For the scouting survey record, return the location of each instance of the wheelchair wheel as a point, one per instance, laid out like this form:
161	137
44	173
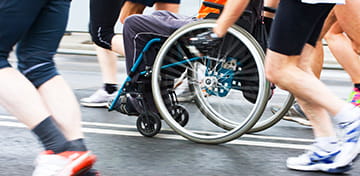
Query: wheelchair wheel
148	124
180	114
280	99
228	83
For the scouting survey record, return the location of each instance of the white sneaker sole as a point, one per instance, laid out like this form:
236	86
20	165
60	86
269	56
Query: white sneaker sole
328	168
298	120
95	105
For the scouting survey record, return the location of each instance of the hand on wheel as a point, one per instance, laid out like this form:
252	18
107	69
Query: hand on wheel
205	42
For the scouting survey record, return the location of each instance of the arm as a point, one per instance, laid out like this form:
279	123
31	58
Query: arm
232	11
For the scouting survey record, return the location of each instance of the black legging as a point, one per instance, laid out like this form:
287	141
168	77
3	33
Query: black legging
103	17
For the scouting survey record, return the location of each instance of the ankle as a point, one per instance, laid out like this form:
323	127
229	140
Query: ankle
347	114
329	143
110	88
76	145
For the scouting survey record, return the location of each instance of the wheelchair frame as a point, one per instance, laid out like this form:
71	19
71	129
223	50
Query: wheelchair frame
234	130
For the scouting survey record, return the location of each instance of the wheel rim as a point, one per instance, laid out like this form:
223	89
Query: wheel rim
237	128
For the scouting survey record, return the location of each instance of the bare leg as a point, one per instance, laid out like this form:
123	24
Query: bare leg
317	56
171	7
130	8
118	45
20	98
311	62
283	71
349	19
61	102
107	60
340	46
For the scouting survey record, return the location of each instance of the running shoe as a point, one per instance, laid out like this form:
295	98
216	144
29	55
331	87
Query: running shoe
126	106
354	97
316	159
68	163
351	143
99	99
294	114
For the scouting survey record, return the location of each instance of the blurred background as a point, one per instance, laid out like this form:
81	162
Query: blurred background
79	14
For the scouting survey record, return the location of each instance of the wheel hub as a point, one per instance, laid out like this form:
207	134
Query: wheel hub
210	82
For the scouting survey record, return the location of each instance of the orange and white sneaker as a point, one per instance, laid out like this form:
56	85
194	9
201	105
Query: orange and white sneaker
68	163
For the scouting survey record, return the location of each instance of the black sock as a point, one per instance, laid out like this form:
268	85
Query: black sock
357	85
110	88
268	21
76	145
50	135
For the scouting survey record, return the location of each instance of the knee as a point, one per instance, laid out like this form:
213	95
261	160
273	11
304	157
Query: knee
272	71
101	36
276	77
271	75
330	37
132	22
37	68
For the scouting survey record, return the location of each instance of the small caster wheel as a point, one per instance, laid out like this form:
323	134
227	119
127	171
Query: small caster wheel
180	114
148	124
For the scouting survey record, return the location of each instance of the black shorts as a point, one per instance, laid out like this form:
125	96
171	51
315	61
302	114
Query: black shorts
104	15
150	3
296	24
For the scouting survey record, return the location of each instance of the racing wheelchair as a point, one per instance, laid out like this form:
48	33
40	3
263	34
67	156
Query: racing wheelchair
228	82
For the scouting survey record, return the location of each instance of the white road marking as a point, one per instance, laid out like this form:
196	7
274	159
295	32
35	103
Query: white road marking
98	124
172	136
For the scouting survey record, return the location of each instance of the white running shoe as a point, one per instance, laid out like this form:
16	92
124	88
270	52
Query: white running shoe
67	163
316	159
351	142
99	99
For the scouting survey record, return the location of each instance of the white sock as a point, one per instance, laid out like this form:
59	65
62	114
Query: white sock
327	143
348	113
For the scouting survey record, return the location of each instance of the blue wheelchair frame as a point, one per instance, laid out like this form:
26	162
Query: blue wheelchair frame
136	65
222	91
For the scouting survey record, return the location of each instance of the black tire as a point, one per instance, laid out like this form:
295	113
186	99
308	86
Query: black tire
180	114
148	124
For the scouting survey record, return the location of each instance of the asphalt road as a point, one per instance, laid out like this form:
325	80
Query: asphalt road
121	150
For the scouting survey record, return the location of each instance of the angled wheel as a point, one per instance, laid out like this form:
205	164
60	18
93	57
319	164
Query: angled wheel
180	114
228	83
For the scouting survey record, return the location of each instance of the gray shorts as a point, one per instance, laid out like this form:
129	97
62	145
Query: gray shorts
139	29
